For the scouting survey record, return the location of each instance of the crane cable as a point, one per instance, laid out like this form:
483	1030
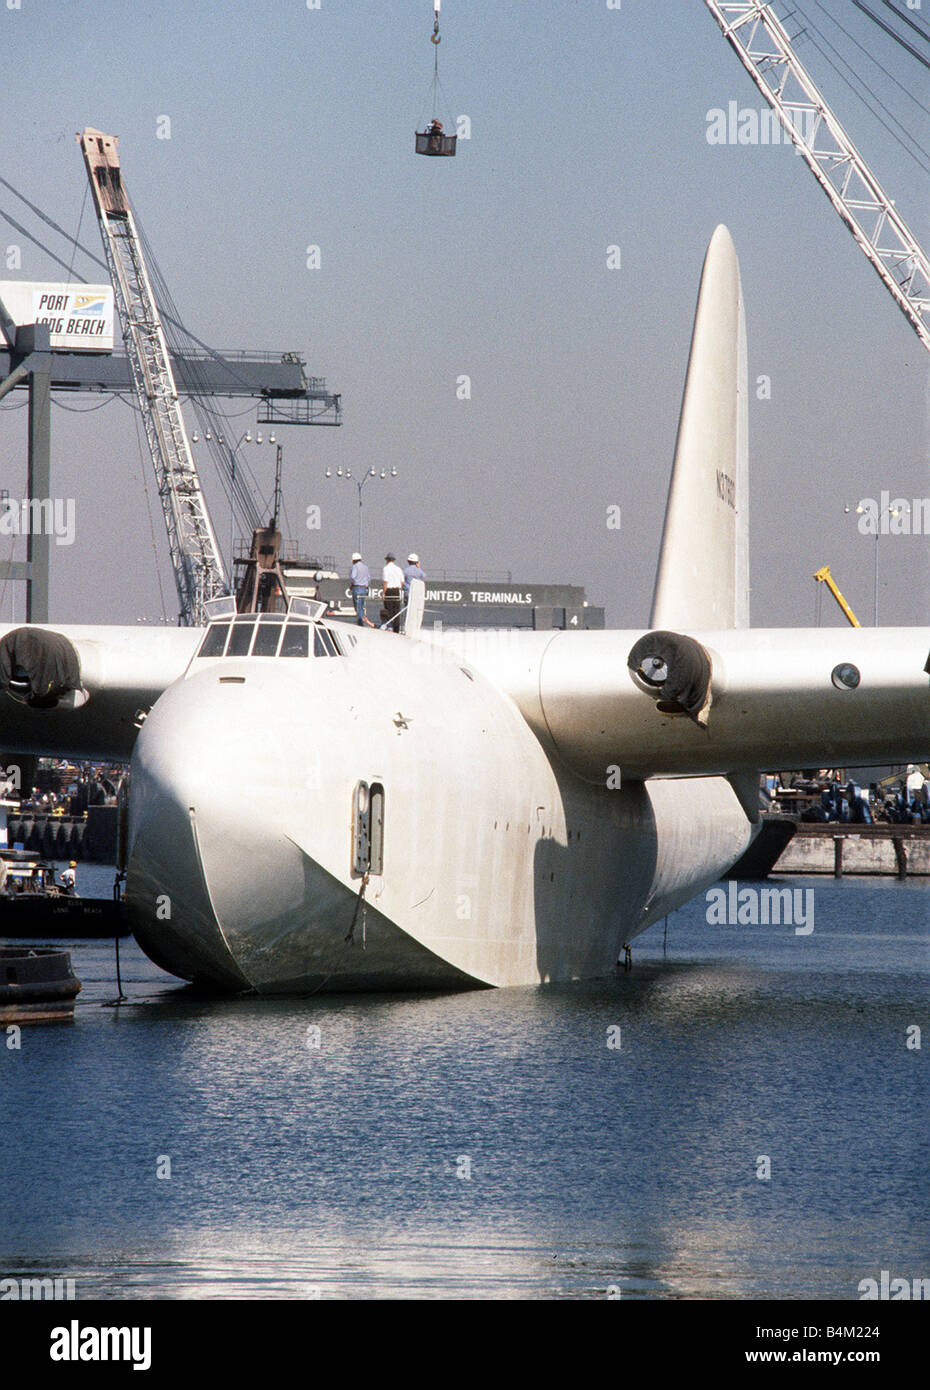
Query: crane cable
918	29
148	508
436	40
888	30
900	85
437	93
857	85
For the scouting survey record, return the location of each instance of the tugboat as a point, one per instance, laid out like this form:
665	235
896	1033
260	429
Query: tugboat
37	985
33	905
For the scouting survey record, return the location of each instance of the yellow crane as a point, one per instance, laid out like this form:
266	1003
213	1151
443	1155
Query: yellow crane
825	577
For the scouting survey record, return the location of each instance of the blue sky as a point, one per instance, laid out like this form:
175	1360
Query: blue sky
293	127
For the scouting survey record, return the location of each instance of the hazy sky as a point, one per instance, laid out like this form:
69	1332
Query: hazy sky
292	127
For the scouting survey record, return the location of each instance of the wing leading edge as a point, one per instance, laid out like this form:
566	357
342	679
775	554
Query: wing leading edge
776	698
86	702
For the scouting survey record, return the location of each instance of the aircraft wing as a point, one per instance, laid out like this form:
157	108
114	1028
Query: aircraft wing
78	692
740	700
645	704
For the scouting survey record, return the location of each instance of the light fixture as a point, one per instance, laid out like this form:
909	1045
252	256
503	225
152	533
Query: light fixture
195	438
208	436
258	439
271	438
248	436
393	472
328	473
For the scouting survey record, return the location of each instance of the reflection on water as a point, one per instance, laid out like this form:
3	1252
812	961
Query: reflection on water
491	1143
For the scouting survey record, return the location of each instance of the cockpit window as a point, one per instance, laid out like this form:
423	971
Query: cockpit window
296	640
215	640
241	637
268	634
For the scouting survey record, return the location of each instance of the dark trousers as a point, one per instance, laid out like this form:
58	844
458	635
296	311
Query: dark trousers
392	607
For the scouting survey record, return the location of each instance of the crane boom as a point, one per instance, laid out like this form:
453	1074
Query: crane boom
765	50
825	577
195	555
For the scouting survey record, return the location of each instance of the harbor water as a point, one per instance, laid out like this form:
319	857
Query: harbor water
741	1116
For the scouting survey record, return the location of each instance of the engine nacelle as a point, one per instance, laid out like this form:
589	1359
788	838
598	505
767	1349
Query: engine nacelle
41	669
676	671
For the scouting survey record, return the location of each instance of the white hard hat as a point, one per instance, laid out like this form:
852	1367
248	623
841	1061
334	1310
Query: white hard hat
413	559
356	556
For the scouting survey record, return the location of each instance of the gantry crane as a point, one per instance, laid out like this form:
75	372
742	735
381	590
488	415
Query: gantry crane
765	49
195	555
825	577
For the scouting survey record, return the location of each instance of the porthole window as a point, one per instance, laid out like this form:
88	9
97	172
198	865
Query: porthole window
845	676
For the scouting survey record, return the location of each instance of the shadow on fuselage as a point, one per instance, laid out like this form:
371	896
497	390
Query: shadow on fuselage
590	892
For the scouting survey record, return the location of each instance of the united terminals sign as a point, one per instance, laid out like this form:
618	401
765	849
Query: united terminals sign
79	317
466	603
457	593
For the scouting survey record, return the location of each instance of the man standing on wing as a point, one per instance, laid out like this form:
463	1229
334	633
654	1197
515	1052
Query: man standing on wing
361	579
393	577
412	571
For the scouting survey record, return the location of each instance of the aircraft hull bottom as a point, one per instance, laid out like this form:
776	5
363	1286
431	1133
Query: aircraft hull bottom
328	940
299	930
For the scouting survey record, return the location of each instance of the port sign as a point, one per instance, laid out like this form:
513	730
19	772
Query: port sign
80	317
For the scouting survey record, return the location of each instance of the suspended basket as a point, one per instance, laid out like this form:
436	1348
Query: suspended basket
433	141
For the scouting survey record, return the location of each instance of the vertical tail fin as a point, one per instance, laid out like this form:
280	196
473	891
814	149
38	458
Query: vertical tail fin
703	575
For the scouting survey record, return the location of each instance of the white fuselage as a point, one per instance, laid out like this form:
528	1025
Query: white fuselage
500	866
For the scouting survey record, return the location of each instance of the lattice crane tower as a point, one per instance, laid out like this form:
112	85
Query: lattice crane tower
195	555
765	50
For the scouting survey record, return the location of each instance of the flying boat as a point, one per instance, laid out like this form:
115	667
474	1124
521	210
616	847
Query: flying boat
451	809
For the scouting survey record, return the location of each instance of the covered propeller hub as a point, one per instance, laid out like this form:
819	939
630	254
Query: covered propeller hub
39	668
676	671
654	670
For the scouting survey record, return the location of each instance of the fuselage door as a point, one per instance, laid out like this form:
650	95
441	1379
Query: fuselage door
368	829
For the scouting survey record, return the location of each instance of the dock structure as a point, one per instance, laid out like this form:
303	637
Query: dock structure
899	850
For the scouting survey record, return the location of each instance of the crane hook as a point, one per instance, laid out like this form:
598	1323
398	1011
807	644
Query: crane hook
436	37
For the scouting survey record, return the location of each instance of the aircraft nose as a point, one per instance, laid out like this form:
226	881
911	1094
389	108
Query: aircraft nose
216	880
170	907
189	771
